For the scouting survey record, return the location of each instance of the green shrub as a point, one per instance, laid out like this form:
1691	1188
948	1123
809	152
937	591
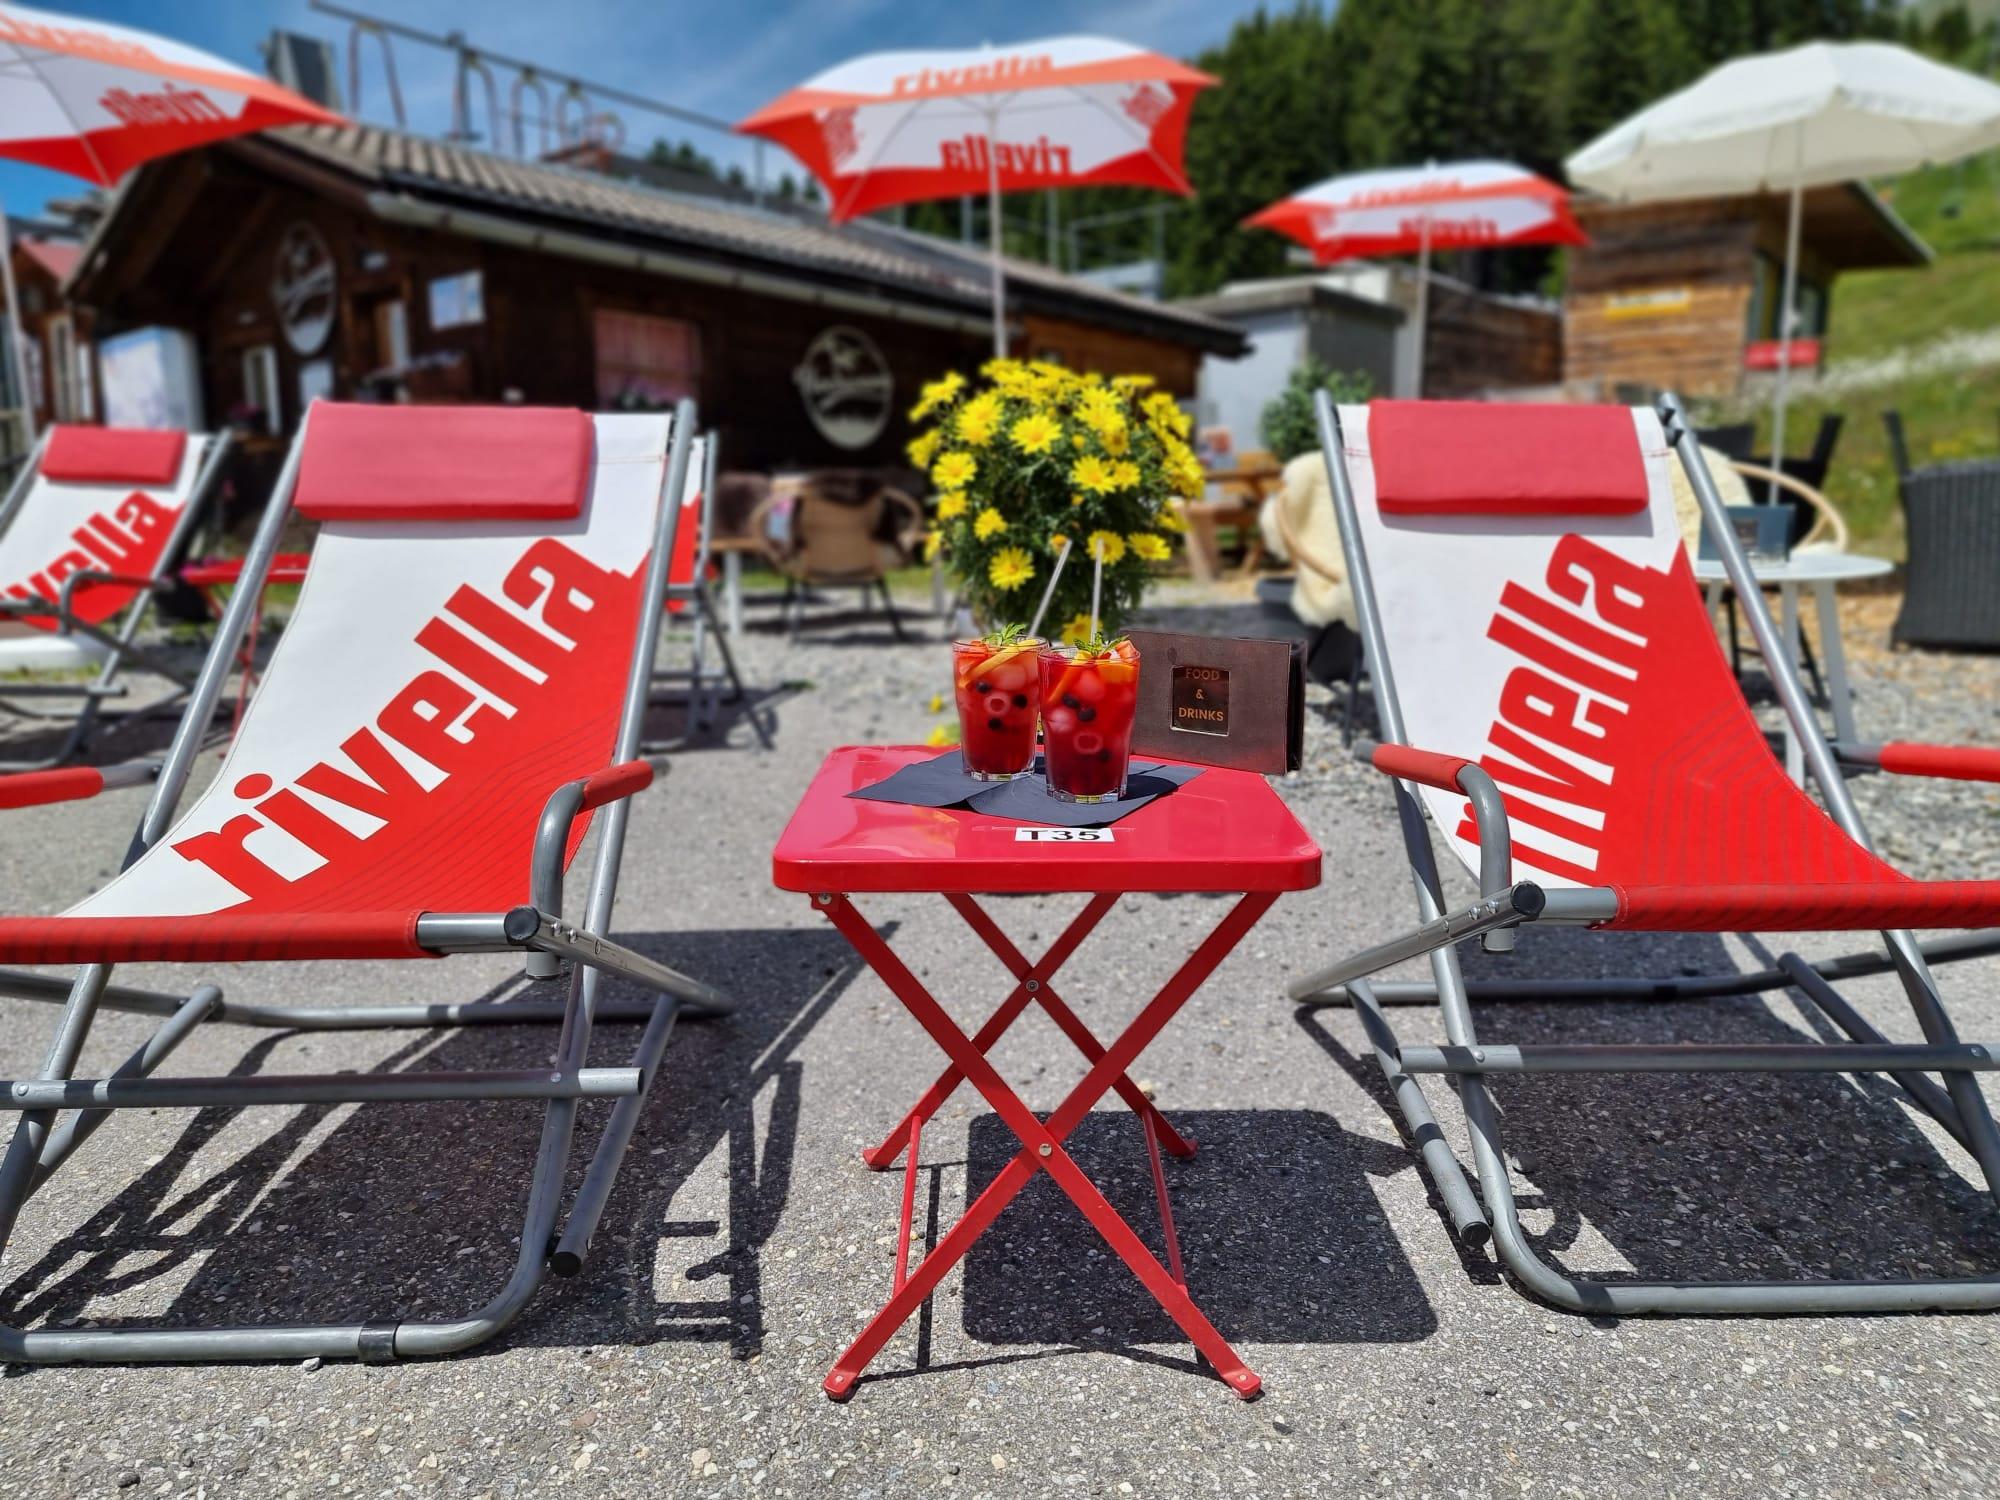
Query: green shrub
1287	424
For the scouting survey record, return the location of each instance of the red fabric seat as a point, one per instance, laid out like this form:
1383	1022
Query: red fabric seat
1807	908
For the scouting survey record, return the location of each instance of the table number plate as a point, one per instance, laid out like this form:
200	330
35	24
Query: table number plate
1064	836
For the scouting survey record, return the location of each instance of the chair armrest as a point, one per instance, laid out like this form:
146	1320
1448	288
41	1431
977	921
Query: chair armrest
566	804
286	567
1454	773
915	522
1826	517
71	783
88	576
1907	758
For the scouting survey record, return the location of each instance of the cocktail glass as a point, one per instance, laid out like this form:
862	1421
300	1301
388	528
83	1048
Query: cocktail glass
1088	703
999	697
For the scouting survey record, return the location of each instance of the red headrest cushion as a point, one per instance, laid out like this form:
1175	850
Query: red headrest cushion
444	463
114	455
1476	458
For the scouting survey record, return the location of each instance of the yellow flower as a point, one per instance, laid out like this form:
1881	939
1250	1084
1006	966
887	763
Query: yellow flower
1117	439
937	703
1131	383
1035	433
1171	519
1057	541
955	471
1152	548
933	539
1075	500
936	394
989	523
942	735
1101	409
1011	567
1125	475
1077	631
1108	545
1094	474
978	420
950	507
924	447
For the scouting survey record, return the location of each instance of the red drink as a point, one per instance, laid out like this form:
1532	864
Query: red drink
1088	702
999	697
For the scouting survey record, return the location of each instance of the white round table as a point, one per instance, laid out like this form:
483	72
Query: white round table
1822	572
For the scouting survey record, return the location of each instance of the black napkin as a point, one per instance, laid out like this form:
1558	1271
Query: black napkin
942	782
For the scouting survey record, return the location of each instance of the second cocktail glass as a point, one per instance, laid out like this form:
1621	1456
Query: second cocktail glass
1089	699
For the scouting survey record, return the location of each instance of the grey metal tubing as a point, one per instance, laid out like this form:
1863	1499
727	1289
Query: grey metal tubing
329	1017
24	479
1918	985
527	927
1496	843
316	1088
214	674
545	885
1679	987
78	1128
1468	1219
602	1173
1519	903
31	1131
1695	1057
1926	1095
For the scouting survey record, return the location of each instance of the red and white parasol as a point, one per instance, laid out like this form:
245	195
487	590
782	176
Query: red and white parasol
905	127
96	100
1467	205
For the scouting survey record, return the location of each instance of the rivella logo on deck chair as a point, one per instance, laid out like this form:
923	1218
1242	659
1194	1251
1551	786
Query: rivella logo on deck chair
126	540
447	737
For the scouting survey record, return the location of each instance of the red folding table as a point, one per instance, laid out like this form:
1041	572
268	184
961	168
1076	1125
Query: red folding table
1225	831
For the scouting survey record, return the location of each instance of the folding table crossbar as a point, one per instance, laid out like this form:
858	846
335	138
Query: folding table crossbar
1554	694
483	600
91	531
1224	832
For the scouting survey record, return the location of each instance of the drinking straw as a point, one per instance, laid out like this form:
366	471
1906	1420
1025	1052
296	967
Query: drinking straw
1062	556
1096	584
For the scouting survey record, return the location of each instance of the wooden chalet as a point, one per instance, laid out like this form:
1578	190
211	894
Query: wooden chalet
1686	295
361	263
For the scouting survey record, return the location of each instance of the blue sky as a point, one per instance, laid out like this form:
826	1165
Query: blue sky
721	58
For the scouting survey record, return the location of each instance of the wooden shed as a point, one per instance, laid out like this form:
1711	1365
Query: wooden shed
1681	295
361	263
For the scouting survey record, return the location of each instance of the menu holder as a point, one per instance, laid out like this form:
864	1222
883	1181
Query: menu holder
1231	701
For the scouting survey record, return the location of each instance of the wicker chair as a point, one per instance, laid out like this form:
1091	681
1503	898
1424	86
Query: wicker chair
1951	594
832	542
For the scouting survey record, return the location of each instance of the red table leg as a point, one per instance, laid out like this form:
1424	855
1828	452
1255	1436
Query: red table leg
1072	1027
1041	1144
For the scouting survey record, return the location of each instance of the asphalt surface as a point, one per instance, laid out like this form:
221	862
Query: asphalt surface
746	1243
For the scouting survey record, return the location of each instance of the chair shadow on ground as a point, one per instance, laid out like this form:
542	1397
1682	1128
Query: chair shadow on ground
670	727
1282	1239
414	1211
1716	1176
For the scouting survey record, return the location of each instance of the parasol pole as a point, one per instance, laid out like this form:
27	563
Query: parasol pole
1786	309
993	232
1423	288
14	331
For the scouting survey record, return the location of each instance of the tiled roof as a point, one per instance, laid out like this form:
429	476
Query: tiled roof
866	252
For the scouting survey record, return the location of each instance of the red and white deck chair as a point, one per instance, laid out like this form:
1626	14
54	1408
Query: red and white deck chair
460	686
89	534
1555	696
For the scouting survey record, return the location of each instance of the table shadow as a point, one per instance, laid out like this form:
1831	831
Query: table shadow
1282	1237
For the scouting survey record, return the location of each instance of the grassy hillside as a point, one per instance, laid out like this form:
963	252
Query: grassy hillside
1950	400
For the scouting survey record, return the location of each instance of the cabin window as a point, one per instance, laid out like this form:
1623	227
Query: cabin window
62	367
260	386
1767	295
645	363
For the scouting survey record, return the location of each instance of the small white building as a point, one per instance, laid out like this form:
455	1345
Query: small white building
1287	320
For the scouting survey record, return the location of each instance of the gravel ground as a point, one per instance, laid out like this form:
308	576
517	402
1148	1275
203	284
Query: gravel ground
745	1243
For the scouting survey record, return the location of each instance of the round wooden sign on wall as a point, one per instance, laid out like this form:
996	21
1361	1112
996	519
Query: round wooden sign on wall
302	284
846	386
